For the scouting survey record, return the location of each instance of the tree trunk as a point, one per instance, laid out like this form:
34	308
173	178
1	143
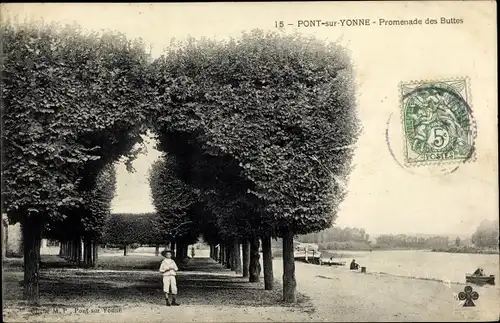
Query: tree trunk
289	282
80	251
95	251
267	262
221	253
125	247
157	250
76	250
92	258
88	260
73	251
89	252
86	250
32	237
232	256
5	238
62	250
178	252
246	258
237	258
173	248
70	251
254	267
228	256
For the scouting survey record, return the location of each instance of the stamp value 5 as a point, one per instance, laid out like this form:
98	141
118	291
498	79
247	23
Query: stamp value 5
437	122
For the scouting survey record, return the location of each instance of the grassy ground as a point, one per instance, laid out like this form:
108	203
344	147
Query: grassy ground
132	283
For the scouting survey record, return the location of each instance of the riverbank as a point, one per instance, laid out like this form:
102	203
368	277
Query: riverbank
339	294
470	250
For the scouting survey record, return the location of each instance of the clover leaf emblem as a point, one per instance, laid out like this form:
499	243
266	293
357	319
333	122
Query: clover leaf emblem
468	295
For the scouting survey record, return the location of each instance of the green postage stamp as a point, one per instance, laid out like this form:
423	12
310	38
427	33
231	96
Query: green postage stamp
437	122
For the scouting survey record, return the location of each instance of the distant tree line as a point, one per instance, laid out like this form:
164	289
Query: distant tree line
336	234
131	230
486	235
411	242
483	241
336	238
339	238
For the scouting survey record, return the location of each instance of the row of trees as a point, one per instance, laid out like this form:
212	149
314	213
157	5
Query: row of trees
267	125
81	232
257	134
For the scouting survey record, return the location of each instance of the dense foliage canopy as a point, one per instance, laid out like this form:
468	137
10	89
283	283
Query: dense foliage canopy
174	200
72	104
124	229
279	108
88	219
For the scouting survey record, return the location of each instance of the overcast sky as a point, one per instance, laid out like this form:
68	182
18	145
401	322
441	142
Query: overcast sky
384	197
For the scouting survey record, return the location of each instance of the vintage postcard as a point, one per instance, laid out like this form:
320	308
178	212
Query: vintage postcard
250	162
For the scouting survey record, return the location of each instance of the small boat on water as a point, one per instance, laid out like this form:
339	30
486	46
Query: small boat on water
480	280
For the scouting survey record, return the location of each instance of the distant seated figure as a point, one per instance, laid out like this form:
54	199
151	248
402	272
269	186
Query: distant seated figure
479	272
354	265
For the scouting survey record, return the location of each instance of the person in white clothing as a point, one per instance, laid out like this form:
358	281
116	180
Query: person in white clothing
168	269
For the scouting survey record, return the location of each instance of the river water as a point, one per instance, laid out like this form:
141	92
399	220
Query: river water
440	266
443	266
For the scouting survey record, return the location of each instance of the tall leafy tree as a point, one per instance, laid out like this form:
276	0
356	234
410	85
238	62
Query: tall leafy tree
173	199
282	107
72	104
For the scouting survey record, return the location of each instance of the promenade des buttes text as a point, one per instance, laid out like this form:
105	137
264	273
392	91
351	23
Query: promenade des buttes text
364	22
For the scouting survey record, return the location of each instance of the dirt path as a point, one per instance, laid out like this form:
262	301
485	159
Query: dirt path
207	292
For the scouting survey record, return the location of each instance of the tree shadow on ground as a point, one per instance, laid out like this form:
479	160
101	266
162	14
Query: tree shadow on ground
202	282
